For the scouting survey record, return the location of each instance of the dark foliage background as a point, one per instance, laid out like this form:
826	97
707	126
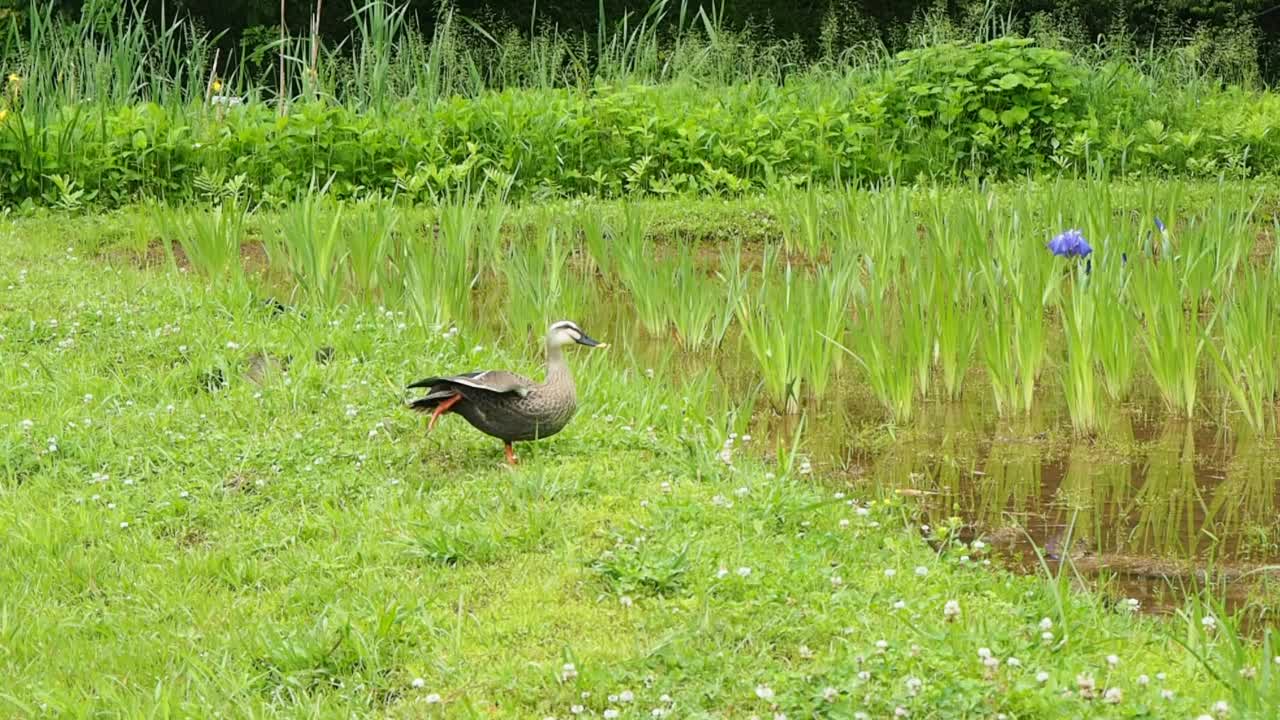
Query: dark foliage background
249	23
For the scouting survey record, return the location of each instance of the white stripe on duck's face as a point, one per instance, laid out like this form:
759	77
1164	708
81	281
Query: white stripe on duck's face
563	333
566	333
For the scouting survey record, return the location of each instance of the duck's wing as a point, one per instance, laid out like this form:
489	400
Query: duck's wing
494	381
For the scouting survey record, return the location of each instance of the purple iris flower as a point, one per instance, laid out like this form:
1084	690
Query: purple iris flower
1160	225
1070	243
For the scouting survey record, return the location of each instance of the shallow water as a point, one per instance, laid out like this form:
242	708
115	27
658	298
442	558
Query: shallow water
1150	503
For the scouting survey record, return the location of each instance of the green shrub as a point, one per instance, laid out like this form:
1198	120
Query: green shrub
1001	103
991	110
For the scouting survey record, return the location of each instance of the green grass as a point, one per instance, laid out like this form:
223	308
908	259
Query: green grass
298	546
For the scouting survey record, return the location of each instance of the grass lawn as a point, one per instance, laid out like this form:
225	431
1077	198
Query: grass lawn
184	536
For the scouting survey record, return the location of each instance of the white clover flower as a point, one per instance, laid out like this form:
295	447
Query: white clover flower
984	652
722	573
922	570
844	523
864	676
901	712
764	692
1046	624
951	610
1144	680
1209	622
418	683
626	601
913	686
830	694
836	581
1166	694
626	696
568	672
900	605
1046	636
1221	709
576	709
744	571
1013	662
1113	696
1042	677
890	572
882	645
433	698
611	713
1113	660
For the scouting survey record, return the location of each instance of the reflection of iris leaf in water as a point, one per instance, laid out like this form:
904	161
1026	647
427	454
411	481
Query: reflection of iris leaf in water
1097	487
1166	504
1243	506
1079	499
1013	482
955	456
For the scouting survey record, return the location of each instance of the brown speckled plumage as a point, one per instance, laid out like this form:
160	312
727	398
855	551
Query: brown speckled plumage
507	406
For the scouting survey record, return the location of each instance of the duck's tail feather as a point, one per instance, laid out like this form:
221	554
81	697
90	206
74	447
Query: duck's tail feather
431	400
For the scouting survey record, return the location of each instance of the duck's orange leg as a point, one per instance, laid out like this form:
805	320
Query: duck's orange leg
441	409
511	454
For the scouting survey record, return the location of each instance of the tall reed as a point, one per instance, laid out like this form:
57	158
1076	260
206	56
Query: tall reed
311	245
789	319
1245	358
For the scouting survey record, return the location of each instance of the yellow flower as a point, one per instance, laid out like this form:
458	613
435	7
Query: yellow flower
3	114
217	86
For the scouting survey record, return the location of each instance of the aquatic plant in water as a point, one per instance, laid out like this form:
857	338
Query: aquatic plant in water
1245	358
1078	378
1174	338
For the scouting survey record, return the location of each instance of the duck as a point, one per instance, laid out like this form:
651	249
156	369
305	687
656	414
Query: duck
507	406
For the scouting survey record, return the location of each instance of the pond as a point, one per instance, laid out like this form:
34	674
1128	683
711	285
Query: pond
1153	503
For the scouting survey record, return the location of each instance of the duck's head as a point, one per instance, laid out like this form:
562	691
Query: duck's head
565	333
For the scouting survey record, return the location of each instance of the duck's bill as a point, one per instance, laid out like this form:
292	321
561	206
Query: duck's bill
590	342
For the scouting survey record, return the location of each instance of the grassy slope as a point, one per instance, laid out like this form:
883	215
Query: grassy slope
302	548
